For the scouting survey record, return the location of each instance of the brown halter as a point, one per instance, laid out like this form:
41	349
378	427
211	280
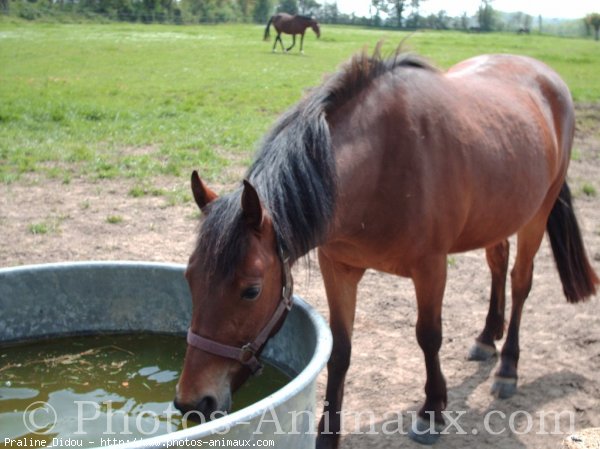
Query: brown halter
247	354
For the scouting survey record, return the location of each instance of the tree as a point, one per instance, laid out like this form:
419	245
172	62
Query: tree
519	21
464	21
308	7
593	20
289	6
375	18
245	7
486	15
415	5
262	11
398	6
4	6
330	13
380	6
439	21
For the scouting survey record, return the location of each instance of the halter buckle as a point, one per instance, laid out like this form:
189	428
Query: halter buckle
247	353
248	358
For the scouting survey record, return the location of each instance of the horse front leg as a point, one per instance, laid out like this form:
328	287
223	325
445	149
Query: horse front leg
429	279
293	42
341	282
485	348
302	43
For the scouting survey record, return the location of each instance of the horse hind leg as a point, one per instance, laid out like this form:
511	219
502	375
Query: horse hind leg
341	283
484	347
529	240
278	39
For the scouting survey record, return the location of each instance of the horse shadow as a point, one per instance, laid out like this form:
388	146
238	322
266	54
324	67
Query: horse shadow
503	423
288	53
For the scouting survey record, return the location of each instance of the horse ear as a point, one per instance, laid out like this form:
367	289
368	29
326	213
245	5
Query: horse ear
251	207
202	194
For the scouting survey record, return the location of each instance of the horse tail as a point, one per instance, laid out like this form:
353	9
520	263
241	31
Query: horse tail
576	274
267	34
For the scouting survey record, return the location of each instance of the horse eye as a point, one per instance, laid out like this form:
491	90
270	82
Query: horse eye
251	293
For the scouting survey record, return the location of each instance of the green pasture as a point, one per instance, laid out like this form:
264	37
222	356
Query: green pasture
120	100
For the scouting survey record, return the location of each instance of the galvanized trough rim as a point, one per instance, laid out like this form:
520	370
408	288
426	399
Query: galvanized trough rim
296	385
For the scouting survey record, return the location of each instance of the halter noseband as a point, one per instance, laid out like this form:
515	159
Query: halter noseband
247	354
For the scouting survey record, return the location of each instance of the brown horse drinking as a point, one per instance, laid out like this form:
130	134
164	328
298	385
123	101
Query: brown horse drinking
389	164
284	23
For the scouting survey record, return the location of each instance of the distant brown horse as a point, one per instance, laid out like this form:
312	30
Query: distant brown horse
285	23
390	164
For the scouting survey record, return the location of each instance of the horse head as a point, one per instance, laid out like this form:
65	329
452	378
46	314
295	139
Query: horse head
315	27
236	278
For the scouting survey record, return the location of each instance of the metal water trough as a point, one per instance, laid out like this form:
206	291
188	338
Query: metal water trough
40	301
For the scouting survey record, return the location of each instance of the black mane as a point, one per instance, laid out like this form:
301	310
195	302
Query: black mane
294	174
294	171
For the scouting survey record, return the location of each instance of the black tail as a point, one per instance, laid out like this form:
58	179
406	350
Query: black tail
267	34
576	274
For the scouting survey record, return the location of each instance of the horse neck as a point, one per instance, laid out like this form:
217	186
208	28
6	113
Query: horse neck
305	20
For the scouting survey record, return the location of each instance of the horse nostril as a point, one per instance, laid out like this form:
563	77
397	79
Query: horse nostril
202	412
206	407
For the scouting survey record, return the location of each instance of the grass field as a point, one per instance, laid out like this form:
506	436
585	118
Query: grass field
106	101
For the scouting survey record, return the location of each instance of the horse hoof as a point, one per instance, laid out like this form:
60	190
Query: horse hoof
504	387
422	432
327	442
480	352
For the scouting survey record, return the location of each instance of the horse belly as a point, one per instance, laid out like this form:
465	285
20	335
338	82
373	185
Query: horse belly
393	226
488	224
510	184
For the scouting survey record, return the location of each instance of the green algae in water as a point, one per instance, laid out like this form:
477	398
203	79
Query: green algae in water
101	387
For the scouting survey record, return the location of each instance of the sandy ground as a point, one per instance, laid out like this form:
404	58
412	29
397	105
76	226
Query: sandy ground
560	357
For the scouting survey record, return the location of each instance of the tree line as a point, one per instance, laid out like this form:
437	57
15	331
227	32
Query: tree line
398	14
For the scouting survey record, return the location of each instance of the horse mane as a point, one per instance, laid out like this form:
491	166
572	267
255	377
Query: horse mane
294	171
363	69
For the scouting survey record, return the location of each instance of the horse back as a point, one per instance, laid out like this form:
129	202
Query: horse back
544	86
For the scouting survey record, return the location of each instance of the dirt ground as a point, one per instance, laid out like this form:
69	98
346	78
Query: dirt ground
560	357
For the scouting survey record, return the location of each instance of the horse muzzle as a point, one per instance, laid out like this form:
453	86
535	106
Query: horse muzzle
204	410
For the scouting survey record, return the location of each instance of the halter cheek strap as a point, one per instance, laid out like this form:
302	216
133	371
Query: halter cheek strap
247	355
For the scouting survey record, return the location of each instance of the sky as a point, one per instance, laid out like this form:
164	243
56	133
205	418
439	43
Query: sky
573	9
